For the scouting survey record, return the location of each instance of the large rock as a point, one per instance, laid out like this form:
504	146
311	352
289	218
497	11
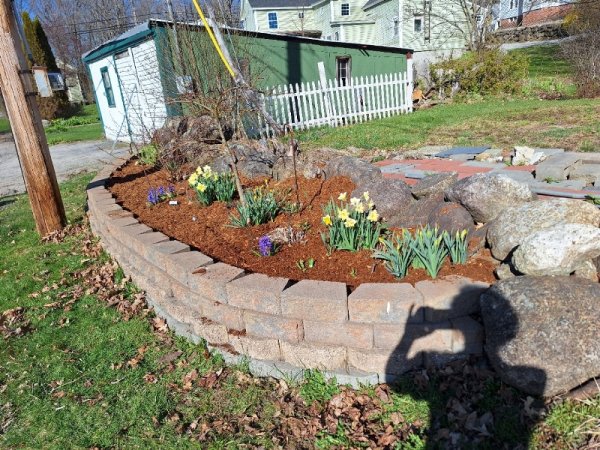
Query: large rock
485	196
542	332
416	213
391	197
451	217
434	184
558	250
515	224
356	169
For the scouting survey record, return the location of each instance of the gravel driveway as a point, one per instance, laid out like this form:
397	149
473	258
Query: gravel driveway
68	159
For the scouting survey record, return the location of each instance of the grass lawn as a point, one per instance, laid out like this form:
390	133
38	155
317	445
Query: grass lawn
85	126
4	125
569	123
76	372
572	124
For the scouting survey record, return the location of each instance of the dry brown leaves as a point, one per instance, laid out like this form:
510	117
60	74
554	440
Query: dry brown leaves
13	323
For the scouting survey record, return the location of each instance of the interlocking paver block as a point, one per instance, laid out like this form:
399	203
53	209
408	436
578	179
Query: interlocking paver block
313	356
317	300
355	335
451	297
271	326
212	282
385	302
181	266
257	292
383	361
255	347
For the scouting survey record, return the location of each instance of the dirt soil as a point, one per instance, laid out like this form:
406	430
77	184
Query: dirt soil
208	230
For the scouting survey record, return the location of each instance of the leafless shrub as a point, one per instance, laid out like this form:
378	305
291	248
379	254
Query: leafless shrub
583	50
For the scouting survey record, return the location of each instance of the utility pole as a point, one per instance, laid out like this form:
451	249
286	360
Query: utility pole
32	148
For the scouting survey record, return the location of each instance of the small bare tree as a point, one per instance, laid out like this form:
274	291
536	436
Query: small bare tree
583	50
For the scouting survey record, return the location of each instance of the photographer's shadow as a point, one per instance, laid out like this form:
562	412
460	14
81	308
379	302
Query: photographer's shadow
444	363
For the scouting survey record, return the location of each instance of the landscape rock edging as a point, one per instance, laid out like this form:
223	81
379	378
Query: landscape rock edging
373	335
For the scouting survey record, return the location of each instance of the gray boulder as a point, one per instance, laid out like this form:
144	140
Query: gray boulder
542	332
391	197
451	217
558	250
515	224
485	196
356	169
416	213
434	184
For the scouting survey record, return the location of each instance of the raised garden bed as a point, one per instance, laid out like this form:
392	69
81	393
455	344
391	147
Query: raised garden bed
208	229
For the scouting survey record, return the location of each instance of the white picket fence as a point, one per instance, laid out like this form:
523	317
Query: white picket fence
329	102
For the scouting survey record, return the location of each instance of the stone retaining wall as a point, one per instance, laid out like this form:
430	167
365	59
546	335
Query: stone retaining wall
544	32
371	335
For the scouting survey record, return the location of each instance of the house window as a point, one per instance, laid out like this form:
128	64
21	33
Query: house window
301	15
418	25
345	9
108	90
57	82
344	67
396	27
273	25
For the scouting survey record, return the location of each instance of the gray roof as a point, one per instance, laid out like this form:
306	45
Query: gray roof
372	3
282	3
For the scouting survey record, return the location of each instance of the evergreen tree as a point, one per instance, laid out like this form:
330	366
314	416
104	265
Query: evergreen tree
38	43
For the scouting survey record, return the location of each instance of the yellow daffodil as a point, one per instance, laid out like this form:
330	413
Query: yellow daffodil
349	223
199	170
371	204
366	196
193	179
201	187
360	208
343	214
343	196
327	220
373	216
354	201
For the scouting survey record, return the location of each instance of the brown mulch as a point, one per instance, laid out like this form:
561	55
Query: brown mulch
208	229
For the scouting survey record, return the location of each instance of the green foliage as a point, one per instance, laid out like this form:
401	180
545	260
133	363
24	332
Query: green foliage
397	253
351	226
261	207
212	186
489	72
457	246
429	249
148	154
305	265
316	389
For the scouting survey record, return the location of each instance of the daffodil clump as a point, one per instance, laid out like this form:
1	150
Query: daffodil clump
353	225
211	186
261	207
427	249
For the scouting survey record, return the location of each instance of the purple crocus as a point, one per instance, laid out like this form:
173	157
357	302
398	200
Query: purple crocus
161	192
172	190
265	246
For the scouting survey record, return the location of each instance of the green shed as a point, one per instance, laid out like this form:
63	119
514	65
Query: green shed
139	76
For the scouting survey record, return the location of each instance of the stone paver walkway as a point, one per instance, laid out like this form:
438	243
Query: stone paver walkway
411	170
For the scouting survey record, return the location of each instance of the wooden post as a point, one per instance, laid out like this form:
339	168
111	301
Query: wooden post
17	89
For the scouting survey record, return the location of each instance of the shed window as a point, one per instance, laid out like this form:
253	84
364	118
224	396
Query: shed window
345	9
344	67
273	25
108	90
418	24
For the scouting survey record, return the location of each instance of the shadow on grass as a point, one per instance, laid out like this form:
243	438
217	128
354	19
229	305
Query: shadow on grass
469	407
